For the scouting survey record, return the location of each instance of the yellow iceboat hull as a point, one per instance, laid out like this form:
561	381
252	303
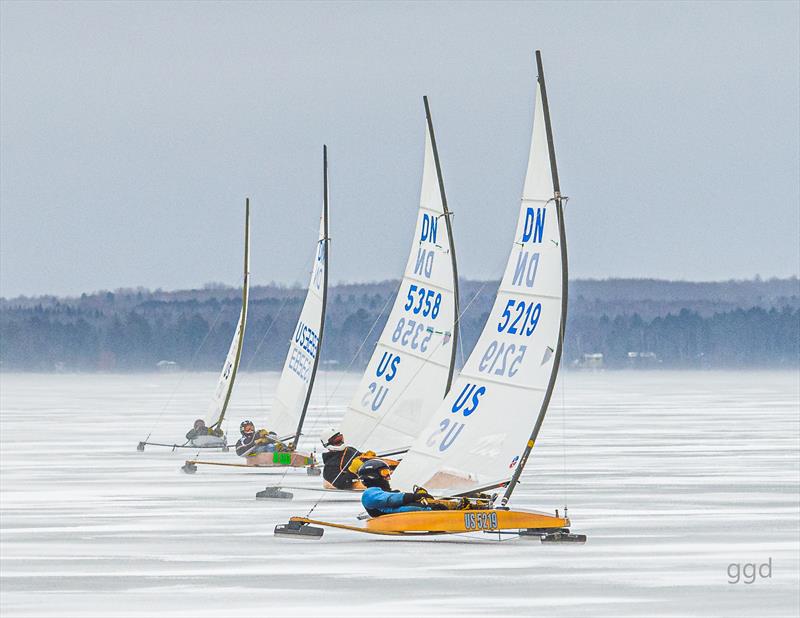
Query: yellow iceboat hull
464	521
417	523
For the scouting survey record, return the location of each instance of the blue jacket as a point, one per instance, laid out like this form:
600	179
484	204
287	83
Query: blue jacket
379	502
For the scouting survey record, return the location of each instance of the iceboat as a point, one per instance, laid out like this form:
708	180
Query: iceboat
480	437
207	433
411	368
287	415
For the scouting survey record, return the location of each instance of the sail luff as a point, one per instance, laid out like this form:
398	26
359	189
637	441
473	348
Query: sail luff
325	248
564	288
448	225
287	413
242	317
410	368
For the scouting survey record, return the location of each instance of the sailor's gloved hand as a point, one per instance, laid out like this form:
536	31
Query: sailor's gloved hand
463	504
420	496
409	498
369	455
260	441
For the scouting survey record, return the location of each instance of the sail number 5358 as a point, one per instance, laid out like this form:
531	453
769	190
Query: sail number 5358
520	317
426	301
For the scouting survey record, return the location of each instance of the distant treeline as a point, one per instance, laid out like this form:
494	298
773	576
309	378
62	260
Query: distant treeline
630	322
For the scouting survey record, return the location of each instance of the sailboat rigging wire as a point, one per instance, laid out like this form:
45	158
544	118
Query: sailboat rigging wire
183	374
266	332
261	342
389	299
461	332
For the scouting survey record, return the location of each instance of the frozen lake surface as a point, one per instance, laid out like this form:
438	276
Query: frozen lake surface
673	476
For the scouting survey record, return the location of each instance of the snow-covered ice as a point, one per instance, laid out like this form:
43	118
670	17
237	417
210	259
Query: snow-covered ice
672	475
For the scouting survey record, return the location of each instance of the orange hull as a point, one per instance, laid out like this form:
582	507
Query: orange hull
463	521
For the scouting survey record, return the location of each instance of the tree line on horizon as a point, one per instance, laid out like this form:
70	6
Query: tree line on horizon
630	324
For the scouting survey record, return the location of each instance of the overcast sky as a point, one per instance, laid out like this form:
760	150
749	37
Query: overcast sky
131	134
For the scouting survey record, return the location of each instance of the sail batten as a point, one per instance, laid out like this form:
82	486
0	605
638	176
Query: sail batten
412	365
480	431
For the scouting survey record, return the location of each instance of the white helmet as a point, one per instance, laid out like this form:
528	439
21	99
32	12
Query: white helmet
332	438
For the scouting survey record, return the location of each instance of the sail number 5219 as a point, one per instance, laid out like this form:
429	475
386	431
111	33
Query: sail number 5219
480	521
520	317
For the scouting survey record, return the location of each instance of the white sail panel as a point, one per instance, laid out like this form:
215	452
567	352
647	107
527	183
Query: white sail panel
297	375
222	394
408	373
479	432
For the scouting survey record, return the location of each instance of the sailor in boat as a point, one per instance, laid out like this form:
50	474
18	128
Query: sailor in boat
200	435
379	498
341	462
254	442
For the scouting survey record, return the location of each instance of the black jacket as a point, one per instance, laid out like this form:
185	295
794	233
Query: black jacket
335	468
245	444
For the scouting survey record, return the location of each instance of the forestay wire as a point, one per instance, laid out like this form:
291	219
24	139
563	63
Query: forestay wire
261	342
389	299
183	374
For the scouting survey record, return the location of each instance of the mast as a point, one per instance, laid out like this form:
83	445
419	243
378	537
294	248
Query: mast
325	242
243	316
564	287
450	241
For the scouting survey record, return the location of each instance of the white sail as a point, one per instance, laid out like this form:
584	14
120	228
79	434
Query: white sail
222	393
479	432
297	379
411	367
